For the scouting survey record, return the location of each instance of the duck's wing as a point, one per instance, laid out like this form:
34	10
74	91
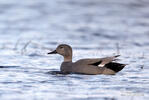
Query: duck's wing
97	61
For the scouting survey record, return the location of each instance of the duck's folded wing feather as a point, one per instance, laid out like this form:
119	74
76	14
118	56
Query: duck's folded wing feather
96	61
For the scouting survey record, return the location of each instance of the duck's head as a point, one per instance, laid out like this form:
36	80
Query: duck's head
64	50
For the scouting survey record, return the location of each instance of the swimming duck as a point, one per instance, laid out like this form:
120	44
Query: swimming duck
90	66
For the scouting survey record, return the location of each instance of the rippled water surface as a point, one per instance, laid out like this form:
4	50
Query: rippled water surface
94	28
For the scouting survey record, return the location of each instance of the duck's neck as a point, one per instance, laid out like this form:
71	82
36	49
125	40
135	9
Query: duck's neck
68	56
68	59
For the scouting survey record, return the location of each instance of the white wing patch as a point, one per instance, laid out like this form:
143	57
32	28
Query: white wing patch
101	65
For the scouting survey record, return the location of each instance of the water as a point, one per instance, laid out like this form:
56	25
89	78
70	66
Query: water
94	28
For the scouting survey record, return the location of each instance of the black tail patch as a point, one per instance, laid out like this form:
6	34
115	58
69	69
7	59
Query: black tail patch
115	66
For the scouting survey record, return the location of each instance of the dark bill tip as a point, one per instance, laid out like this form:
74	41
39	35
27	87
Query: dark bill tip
53	52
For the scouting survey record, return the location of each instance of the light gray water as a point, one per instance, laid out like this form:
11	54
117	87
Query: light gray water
94	28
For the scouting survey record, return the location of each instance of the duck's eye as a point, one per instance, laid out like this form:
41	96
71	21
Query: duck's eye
61	47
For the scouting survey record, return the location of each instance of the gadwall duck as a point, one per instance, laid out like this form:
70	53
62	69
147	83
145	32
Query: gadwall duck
91	66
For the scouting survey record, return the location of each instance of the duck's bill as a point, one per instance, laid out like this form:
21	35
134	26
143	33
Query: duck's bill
53	52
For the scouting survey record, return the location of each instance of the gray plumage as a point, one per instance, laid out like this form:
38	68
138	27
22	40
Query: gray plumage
90	66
